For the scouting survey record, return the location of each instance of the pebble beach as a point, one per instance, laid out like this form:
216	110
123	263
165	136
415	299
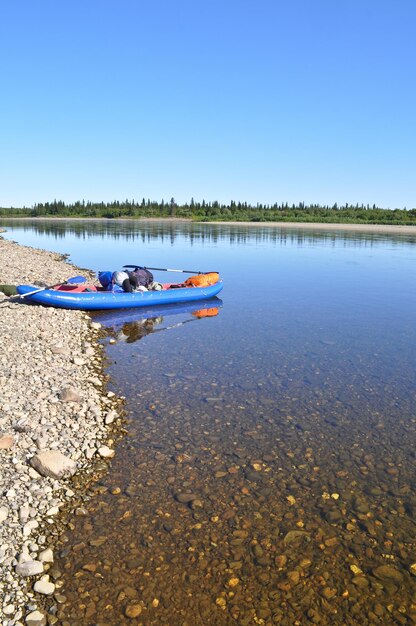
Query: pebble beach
55	416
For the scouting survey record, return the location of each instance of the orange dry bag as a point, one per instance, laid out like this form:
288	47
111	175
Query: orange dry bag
212	312
202	280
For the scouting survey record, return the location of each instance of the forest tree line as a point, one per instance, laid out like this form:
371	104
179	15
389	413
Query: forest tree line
215	211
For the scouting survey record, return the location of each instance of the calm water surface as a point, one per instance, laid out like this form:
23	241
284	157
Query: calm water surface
268	473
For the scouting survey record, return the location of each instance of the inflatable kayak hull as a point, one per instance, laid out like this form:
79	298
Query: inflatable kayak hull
106	300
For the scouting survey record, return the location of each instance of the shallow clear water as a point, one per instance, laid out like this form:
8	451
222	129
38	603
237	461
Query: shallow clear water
286	422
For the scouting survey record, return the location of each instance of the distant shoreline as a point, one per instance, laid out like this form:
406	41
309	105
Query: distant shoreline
369	228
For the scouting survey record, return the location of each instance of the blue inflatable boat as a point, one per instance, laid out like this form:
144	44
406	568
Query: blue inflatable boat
72	297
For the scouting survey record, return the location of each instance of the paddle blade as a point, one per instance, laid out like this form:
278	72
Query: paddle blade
164	269
76	280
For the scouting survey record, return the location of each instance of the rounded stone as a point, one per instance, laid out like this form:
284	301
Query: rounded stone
35	618
105	452
44	587
133	610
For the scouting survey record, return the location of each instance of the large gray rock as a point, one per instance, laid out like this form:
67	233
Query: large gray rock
53	464
29	568
69	394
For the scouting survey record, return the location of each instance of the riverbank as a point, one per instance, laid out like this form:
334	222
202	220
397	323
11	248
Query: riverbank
54	420
365	228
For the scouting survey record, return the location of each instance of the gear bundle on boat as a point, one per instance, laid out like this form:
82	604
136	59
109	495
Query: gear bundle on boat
128	281
133	286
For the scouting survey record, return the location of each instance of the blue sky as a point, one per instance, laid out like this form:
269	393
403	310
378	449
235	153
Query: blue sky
261	100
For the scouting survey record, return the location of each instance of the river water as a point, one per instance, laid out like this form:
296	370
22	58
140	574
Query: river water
268	471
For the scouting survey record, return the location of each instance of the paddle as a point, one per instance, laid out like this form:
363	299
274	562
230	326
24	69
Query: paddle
164	269
75	280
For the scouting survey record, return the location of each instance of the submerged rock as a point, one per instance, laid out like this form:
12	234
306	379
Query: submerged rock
133	610
388	573
185	498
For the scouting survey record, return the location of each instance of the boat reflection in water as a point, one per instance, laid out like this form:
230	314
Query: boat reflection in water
130	325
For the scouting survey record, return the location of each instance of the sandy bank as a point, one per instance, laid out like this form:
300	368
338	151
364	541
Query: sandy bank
364	228
53	401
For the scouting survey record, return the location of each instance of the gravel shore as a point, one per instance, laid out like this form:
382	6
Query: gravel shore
54	418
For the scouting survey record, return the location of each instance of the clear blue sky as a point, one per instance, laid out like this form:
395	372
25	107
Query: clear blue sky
261	100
